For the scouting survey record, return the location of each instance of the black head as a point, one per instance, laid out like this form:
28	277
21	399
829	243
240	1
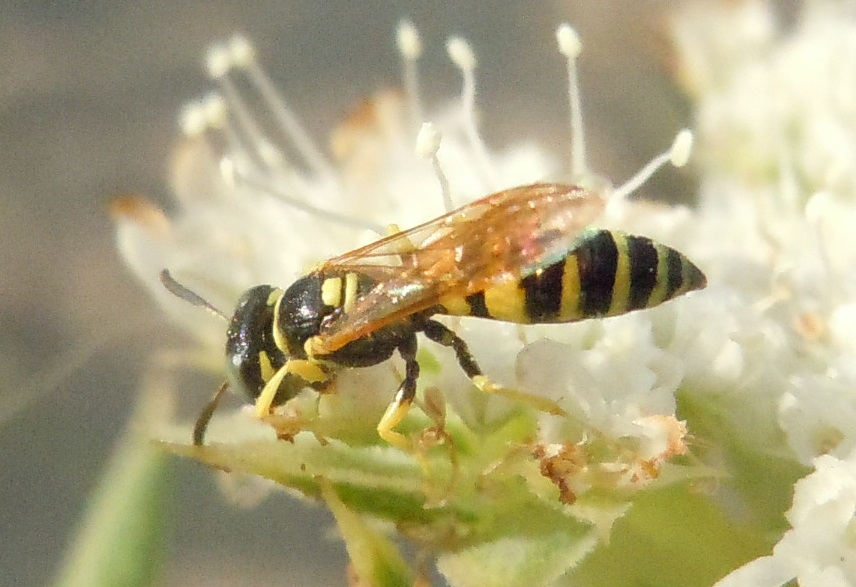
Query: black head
252	356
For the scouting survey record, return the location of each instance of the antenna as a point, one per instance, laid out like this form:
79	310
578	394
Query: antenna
205	417
180	291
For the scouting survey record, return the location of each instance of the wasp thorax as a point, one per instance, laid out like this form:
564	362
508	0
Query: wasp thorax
301	312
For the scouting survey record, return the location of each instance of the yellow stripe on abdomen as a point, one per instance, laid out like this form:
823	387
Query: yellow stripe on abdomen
570	310
507	302
621	284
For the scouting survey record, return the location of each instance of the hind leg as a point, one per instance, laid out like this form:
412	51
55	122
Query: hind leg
446	337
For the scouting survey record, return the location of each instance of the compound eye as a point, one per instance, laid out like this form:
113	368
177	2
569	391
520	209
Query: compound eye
252	356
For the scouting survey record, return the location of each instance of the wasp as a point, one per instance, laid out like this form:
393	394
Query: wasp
525	255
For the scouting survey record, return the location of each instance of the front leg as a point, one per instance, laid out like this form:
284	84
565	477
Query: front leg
310	371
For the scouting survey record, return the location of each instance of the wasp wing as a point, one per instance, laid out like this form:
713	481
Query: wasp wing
504	236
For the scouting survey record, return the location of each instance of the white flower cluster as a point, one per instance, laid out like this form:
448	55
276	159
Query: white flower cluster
777	137
768	351
769	345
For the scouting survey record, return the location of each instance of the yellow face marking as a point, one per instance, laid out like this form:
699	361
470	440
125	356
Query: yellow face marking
278	337
621	285
267	370
274	296
331	292
351	283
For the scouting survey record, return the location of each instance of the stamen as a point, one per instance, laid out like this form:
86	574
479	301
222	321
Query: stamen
570	46
215	114
241	51
218	61
682	148
264	184
677	155
192	119
214	111
427	145
228	171
239	110
243	56
410	47
462	56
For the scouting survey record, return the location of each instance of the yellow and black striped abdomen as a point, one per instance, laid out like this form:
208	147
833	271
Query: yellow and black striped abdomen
605	274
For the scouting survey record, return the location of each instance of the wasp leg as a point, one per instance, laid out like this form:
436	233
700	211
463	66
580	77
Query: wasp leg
205	417
399	407
444	336
310	371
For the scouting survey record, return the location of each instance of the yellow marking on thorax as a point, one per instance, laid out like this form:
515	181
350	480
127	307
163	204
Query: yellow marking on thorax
507	302
351	283
621	285
570	308
331	292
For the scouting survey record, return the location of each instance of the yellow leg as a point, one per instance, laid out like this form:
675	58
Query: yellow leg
442	335
397	410
309	371
539	403
395	413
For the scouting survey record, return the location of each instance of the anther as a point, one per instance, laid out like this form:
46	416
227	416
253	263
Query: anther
410	48
677	155
218	61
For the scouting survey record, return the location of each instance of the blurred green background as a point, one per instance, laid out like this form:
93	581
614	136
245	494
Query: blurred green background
89	99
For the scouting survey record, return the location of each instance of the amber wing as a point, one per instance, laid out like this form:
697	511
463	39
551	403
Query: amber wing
504	236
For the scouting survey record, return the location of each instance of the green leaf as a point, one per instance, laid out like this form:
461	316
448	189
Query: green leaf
519	560
121	539
676	537
375	558
753	451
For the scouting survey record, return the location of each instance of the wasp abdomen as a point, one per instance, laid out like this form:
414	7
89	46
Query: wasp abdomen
605	273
